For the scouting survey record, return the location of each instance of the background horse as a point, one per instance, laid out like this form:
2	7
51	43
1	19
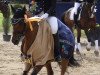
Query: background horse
87	22
21	28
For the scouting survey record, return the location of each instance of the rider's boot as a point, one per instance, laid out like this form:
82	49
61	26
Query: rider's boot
76	16
57	55
76	19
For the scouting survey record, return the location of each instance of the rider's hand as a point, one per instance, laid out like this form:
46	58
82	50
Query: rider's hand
44	16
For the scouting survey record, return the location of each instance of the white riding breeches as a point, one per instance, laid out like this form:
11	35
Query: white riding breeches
53	23
52	20
74	10
76	6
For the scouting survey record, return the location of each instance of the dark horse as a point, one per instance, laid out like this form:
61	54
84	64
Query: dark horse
5	10
22	28
87	22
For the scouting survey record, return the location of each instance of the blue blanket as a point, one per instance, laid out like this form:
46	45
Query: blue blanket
65	34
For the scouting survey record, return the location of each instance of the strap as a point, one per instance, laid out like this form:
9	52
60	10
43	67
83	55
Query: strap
31	19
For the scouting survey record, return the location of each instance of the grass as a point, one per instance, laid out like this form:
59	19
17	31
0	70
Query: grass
1	22
1	19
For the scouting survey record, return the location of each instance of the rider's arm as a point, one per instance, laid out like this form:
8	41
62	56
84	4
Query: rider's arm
53	6
51	10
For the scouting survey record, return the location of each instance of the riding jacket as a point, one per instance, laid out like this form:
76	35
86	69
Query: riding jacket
47	6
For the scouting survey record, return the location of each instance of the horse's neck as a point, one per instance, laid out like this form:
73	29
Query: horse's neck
84	13
29	35
29	14
29	38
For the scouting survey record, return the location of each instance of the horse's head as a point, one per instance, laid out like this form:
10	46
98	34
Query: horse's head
88	8
19	26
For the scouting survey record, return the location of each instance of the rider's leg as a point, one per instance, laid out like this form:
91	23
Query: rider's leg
76	6
53	23
74	10
54	28
76	14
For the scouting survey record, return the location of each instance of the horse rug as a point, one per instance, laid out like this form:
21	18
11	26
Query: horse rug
65	34
66	40
42	48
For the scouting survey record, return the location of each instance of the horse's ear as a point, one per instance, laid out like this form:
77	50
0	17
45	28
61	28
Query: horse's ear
24	9
13	9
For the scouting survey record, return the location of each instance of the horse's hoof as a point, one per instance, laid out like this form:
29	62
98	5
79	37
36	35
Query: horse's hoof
88	49
25	73
96	53
74	64
77	51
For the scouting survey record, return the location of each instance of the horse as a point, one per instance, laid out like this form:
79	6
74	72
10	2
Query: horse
5	10
87	22
22	28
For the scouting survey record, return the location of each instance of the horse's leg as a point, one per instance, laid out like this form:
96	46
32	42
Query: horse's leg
64	65
27	68
49	69
73	61
37	69
88	35
96	43
78	45
27	65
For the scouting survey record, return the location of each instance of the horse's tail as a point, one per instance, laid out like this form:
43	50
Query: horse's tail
62	18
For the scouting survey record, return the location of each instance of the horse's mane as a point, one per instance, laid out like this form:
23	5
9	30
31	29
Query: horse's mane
85	11
29	14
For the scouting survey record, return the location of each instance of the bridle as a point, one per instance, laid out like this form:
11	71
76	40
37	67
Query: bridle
18	21
94	6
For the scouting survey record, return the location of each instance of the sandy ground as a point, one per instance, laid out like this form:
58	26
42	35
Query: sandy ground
10	62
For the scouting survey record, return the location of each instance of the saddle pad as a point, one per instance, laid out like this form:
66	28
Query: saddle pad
65	33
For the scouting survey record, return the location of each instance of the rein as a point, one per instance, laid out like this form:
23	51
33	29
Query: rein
15	21
32	19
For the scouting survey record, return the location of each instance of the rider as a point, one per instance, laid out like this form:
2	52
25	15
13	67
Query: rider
75	13
48	12
35	7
